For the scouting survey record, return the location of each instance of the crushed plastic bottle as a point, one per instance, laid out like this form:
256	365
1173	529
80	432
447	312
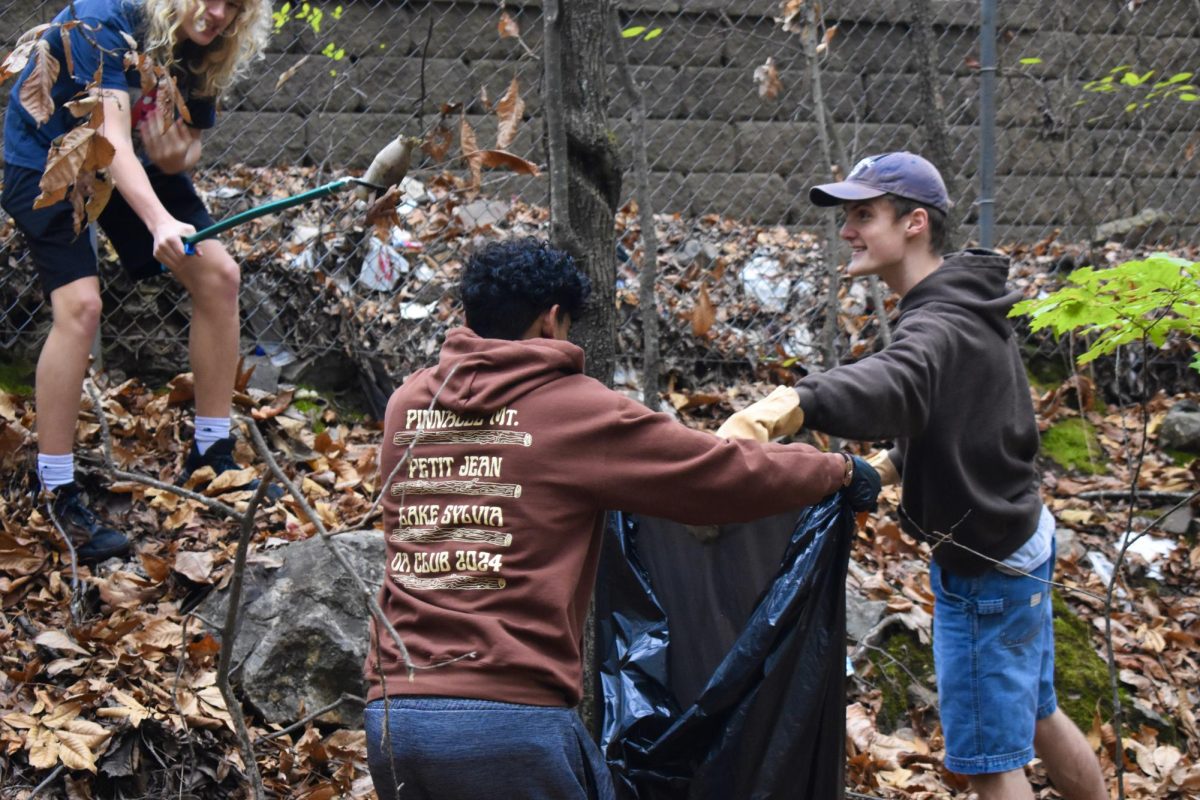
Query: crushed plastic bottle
384	262
765	280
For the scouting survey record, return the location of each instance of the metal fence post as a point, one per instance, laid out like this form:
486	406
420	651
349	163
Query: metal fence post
987	124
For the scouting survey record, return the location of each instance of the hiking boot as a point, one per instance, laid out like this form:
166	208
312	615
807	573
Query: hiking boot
93	539
219	456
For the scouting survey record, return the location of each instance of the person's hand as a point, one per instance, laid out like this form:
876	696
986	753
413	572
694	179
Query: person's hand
167	144
882	462
168	242
863	491
777	414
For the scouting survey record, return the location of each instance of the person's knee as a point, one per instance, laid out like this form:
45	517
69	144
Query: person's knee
218	281
77	310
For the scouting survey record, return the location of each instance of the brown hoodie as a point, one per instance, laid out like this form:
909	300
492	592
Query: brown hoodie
494	521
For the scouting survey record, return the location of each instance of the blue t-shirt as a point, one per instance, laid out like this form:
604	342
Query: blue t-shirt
26	143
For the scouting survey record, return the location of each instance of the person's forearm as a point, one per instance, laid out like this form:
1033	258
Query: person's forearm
130	179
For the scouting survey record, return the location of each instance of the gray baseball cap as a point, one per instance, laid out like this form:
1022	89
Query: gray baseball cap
903	174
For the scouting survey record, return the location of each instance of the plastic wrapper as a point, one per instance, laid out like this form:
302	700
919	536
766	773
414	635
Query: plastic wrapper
722	666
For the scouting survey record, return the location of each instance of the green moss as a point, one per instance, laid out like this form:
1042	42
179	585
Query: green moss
307	406
17	377
1181	457
902	653
1080	675
1072	444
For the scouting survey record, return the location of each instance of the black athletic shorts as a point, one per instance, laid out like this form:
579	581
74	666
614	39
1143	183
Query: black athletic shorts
61	256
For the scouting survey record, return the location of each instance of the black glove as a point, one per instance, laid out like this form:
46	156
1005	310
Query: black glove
864	487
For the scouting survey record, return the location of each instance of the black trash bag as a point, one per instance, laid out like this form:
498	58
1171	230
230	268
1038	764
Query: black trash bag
770	720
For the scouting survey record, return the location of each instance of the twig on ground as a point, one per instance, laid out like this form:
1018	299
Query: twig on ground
1123	494
300	723
229	633
46	782
187	731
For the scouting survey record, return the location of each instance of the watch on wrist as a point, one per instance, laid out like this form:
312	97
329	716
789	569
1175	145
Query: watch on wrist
849	476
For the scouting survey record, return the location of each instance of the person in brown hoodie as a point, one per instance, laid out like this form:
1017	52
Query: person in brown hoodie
498	466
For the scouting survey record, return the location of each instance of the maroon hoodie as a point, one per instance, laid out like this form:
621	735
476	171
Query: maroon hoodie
494	520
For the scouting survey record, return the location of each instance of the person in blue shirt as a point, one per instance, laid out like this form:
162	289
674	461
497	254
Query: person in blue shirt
205	44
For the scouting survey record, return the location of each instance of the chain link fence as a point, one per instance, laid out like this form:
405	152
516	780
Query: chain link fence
1096	127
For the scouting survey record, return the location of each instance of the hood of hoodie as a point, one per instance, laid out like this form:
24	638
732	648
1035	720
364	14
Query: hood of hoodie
973	279
484	375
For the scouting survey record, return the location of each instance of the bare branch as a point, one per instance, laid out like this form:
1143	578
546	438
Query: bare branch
648	267
229	634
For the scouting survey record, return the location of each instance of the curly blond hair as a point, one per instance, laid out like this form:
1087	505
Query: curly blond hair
221	63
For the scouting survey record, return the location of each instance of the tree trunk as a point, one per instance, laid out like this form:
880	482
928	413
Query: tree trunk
576	35
936	131
585	187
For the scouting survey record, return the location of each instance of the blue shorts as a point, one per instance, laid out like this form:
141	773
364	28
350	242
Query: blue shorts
61	256
993	650
447	748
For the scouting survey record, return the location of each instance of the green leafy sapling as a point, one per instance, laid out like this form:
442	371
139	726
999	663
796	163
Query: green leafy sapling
1146	300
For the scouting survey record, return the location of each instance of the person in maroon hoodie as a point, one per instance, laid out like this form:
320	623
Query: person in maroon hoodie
498	465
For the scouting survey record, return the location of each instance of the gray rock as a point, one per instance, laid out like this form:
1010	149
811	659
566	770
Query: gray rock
862	614
1181	428
265	376
303	634
1178	522
1149	224
1069	546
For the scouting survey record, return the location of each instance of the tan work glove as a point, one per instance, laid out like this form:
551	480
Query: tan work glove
777	414
888	474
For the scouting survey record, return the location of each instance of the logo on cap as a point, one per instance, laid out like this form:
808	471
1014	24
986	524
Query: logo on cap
862	166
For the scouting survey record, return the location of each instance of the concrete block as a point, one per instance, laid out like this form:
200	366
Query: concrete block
310	87
1056	200
660	89
495	77
258	138
871	48
667	192
392	85
686	41
18	16
1028	151
711	93
1176	196
736	10
758	197
472	31
350	141
681	145
749	41
777	147
1156	20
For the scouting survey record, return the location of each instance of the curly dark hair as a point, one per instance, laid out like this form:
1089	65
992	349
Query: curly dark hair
506	285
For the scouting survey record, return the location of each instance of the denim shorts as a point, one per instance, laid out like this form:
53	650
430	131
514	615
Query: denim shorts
62	257
447	748
993	650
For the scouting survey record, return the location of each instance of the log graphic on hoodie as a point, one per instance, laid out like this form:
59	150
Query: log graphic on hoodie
457	475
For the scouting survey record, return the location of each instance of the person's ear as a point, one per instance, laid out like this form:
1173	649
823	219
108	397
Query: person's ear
918	221
548	322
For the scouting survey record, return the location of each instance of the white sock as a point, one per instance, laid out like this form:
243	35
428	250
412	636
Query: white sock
210	430
54	471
